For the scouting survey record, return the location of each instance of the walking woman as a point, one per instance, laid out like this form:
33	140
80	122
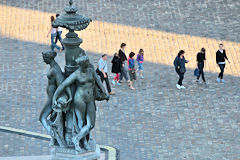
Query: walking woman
179	64
53	32
220	59
131	70
140	60
123	58
116	68
201	57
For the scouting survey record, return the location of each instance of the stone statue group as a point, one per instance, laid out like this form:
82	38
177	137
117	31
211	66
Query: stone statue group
70	111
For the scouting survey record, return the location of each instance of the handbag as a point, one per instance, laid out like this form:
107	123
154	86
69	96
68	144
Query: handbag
196	72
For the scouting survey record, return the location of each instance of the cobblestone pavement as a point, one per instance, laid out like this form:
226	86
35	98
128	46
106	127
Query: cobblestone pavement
154	122
209	18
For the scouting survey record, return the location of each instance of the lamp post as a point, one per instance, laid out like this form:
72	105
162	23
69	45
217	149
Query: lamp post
72	21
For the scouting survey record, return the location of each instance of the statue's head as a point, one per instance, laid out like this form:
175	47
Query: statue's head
48	56
82	61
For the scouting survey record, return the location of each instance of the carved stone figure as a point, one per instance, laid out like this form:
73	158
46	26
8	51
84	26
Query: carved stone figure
55	78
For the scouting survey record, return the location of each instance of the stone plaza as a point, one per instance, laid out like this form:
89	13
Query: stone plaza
155	122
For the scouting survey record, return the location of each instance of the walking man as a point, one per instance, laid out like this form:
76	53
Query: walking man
123	59
59	34
102	72
220	59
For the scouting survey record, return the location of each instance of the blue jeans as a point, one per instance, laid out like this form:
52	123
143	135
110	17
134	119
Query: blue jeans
53	44
59	37
140	66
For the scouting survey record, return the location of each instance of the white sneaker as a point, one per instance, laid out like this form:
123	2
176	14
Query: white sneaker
113	82
178	86
182	87
218	80
222	80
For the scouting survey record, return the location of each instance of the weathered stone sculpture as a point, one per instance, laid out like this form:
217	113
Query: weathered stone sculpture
69	114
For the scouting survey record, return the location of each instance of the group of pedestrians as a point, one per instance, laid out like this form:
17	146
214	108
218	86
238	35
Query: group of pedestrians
122	67
56	34
180	68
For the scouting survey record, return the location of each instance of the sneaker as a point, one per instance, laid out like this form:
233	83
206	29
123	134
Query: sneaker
197	80
113	82
206	84
222	80
182	87
111	93
132	88
178	86
218	80
118	84
141	77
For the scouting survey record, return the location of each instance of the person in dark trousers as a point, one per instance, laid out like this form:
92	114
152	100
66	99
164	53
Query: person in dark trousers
123	59
59	34
102	72
116	68
201	57
179	64
220	59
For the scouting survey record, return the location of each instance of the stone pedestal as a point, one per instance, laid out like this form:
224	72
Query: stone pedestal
58	153
97	155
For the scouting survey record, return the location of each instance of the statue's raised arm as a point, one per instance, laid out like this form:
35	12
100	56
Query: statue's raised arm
65	84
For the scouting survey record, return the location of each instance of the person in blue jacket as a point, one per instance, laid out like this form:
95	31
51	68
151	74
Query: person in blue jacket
131	70
180	68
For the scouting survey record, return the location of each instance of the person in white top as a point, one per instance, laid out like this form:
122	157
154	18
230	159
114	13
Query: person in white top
59	34
53	32
102	72
220	60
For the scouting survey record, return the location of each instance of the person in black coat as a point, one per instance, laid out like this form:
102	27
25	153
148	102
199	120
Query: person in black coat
123	59
201	58
220	59
116	68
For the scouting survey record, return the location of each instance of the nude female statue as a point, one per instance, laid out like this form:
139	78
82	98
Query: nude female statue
55	78
86	80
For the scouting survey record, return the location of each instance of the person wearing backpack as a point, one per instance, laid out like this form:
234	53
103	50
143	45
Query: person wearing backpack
116	68
179	64
201	57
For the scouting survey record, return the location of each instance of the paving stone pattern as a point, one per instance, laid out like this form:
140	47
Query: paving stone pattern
211	18
156	121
